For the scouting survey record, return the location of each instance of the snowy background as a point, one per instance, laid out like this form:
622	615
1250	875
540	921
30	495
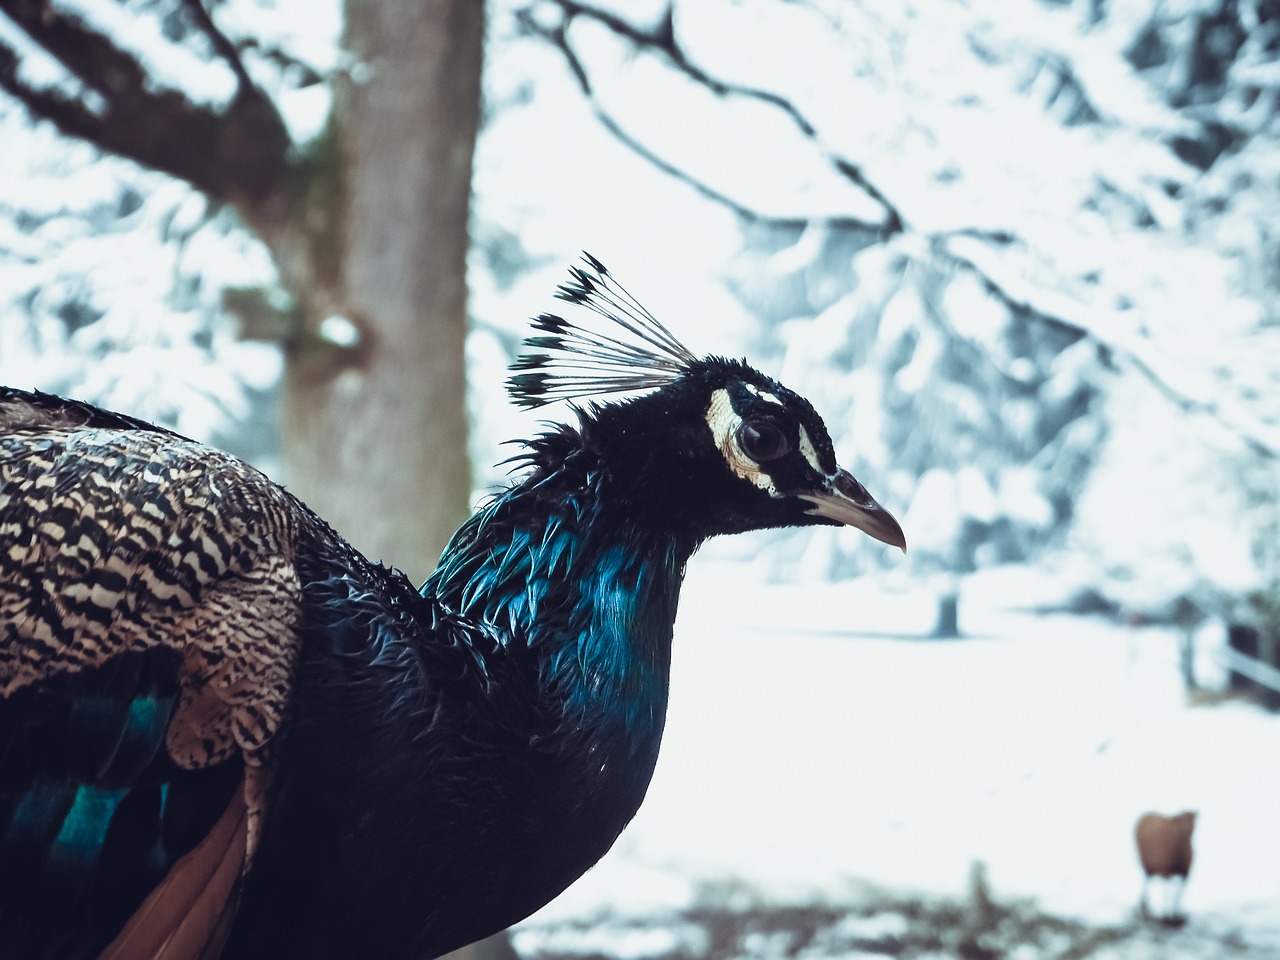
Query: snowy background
827	759
1021	254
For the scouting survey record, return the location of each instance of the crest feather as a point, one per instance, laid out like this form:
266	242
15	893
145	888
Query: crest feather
570	360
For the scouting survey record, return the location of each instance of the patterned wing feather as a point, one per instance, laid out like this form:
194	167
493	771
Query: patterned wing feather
148	597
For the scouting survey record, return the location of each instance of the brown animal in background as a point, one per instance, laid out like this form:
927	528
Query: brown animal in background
1164	847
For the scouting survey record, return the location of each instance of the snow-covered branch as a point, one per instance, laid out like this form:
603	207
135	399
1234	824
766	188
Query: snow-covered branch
557	37
941	240
220	43
1137	353
661	41
236	154
71	116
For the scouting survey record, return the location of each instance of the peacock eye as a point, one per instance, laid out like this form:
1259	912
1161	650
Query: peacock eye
761	440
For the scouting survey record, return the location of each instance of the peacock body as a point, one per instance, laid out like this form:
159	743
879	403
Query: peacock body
224	732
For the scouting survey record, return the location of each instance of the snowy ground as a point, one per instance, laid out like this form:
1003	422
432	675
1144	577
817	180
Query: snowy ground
817	745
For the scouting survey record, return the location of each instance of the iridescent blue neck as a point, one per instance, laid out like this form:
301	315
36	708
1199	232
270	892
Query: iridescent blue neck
592	594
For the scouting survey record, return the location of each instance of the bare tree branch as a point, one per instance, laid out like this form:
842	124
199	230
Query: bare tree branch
237	155
70	116
661	41
301	73
86	54
556	37
221	44
1023	306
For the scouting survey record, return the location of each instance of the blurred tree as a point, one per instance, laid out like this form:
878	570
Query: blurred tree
993	212
366	222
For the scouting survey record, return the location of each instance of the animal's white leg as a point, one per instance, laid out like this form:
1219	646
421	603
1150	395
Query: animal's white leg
1176	885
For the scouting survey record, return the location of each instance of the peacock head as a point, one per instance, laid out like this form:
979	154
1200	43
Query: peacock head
710	443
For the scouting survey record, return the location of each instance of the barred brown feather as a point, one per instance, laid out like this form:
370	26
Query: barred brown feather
119	540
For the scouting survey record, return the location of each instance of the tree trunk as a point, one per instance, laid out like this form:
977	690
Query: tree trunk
947	626
375	429
369	230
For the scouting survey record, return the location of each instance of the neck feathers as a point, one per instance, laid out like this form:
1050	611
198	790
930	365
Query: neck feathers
589	590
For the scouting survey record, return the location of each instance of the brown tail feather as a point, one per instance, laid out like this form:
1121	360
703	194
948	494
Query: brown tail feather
188	916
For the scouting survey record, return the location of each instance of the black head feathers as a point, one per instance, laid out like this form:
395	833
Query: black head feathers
569	361
738	448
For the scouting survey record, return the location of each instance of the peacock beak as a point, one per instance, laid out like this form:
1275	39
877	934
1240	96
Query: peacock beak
846	501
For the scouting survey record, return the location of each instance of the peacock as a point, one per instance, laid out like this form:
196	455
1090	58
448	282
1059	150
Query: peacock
225	733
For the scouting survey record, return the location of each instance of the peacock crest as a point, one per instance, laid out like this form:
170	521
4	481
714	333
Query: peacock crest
567	360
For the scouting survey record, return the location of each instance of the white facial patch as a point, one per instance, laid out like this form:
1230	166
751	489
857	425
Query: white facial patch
724	423
808	451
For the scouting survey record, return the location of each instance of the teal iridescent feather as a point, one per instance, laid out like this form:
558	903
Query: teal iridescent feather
86	825
592	593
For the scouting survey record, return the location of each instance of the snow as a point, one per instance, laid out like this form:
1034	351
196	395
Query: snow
813	744
138	261
304	30
166	65
36	67
1162	511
